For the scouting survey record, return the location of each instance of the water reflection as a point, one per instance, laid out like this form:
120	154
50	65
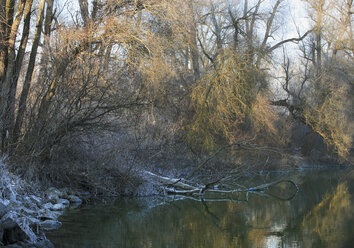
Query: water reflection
320	215
328	223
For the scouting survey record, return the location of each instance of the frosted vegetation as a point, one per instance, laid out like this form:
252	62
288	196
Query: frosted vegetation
26	210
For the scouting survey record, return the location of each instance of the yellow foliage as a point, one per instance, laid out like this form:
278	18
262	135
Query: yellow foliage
328	218
328	118
228	104
263	116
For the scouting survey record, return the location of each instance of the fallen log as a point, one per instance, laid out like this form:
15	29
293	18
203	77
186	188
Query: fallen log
179	187
170	181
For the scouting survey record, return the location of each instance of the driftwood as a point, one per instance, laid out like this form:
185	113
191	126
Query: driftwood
170	181
179	187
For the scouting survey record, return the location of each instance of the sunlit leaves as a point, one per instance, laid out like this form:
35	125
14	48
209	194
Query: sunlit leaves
329	111
228	103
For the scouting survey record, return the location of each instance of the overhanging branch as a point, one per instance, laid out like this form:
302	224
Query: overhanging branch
289	40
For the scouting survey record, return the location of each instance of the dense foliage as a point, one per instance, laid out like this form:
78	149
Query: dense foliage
151	79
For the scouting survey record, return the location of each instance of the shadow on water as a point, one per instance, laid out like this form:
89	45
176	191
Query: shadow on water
320	215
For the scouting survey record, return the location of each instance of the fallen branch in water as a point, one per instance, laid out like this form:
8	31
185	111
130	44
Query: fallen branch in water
170	181
178	187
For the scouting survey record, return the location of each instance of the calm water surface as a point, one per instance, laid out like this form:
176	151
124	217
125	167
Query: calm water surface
320	215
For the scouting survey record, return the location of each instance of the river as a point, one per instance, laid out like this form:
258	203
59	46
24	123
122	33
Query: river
321	214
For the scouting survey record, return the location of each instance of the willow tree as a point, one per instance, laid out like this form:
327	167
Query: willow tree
228	103
231	100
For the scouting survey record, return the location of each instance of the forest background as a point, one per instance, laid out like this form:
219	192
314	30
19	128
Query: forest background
94	92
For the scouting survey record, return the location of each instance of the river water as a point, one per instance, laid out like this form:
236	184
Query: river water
321	214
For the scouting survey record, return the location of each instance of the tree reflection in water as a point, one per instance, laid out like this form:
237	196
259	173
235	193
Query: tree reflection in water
330	223
320	215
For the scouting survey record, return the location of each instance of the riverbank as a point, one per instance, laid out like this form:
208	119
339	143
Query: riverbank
322	208
27	210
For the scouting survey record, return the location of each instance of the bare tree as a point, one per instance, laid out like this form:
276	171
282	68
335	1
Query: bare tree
7	102
28	78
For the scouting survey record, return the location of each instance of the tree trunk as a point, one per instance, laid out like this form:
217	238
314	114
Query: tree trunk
107	57
318	54
267	34
236	30
250	25
7	103
48	18
84	11
320	6
3	47
94	10
20	53
7	8
47	31
194	47
28	78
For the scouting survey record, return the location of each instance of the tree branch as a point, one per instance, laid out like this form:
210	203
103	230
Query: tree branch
289	40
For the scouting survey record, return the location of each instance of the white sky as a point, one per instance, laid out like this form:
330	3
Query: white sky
298	17
293	15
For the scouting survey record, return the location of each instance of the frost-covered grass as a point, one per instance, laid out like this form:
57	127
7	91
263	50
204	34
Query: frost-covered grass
20	205
15	201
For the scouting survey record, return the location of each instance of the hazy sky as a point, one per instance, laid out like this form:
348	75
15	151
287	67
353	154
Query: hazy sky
293	13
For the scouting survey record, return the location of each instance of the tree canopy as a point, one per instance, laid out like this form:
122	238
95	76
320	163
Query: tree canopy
204	73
